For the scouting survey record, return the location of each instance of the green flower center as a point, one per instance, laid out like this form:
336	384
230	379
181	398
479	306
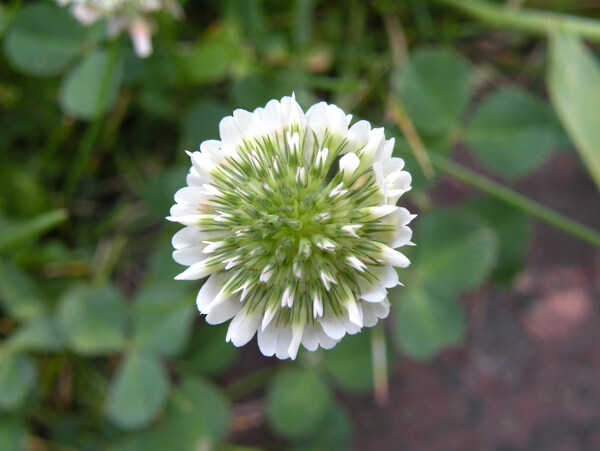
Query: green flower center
290	226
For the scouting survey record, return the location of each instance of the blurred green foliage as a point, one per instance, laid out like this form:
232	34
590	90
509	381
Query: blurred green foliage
101	349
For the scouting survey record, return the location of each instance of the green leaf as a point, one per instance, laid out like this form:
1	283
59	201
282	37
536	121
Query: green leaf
93	319
209	60
513	229
13	433
434	86
82	90
208	352
297	402
40	334
456	251
201	122
6	17
17	234
43	40
138	391
335	433
163	316
197	411
17	378
426	323
349	362
512	132
20	296
574	86
196	417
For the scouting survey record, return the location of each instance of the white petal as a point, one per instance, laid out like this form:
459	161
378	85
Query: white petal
141	37
372	292
283	342
399	234
85	14
358	135
212	246
267	339
184	210
394	164
194	179
249	125
216	150
372	312
354	313
223	311
292	112
310	338
242	328
389	276
375	143
187	220
379	211
189	256
196	271
267	317
191	195
333	326
209	291
297	330
266	274
402	236
203	163
272	116
317	120
188	236
348	164
325	340
317	306
287	300
229	131
356	263
338	124
351	229
386	150
394	257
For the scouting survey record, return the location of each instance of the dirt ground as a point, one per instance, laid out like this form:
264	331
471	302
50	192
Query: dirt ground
529	376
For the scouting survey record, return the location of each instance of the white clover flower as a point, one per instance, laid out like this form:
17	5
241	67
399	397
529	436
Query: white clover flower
122	15
292	216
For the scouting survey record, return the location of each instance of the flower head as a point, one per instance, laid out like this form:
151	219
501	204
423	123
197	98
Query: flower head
122	15
292	216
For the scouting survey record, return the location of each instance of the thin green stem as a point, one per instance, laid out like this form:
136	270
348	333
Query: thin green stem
515	199
90	137
55	140
379	362
399	114
527	20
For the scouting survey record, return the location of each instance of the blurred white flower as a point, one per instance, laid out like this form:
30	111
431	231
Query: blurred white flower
292	216
131	15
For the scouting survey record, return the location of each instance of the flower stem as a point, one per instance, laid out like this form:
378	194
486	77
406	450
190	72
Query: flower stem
88	141
399	115
527	20
515	199
379	361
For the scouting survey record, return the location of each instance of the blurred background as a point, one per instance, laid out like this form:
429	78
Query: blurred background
492	344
